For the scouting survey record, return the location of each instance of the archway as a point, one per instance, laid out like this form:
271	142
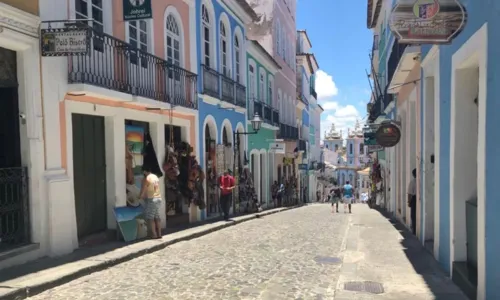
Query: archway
209	142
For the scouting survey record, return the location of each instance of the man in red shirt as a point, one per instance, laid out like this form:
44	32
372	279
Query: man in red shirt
227	185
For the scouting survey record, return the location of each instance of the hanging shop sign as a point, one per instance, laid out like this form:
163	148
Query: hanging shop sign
374	148
388	135
65	41
137	10
303	167
427	21
277	148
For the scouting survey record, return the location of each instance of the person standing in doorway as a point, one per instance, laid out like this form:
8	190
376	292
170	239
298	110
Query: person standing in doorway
348	191
412	200
226	184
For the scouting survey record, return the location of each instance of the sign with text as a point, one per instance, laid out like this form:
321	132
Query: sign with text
137	10
277	148
388	135
427	21
374	148
303	167
65	41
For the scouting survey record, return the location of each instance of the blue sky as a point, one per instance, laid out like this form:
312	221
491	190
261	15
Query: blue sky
341	43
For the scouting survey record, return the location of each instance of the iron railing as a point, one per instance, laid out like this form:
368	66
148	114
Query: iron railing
269	114
118	66
14	208
288	132
222	87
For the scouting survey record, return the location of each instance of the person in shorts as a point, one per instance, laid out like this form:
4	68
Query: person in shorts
335	198
151	193
348	192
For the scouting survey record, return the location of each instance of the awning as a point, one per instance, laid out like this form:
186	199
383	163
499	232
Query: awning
405	65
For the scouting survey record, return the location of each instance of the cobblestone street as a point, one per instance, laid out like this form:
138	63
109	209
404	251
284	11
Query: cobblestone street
289	255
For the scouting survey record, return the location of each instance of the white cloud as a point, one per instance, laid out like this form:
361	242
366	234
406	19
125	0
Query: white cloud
332	105
324	85
344	117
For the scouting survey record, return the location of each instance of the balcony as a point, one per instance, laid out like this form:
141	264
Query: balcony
288	132
313	93
116	65
302	102
269	114
220	86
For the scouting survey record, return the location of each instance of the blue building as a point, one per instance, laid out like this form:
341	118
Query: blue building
461	90
457	148
221	54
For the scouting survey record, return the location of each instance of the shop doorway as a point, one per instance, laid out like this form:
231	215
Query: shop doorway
89	174
428	179
464	182
14	188
177	208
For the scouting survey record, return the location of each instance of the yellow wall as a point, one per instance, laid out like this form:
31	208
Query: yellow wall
30	6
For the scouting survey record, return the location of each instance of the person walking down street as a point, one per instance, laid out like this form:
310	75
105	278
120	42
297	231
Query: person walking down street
348	191
274	193
150	192
335	198
227	185
412	200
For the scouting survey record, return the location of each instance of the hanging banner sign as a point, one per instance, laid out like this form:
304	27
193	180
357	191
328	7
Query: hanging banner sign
388	135
427	21
137	10
65	41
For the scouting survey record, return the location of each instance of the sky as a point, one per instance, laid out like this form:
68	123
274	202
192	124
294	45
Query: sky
341	44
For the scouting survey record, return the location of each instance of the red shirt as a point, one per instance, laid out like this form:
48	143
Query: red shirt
226	182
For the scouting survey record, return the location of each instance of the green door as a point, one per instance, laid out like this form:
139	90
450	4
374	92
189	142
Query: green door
89	174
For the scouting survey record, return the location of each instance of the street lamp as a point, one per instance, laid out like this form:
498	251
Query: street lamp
256	124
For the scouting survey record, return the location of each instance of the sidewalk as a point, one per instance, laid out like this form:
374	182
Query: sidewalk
393	262
34	277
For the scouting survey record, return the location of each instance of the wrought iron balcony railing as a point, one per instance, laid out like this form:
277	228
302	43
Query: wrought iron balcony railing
288	132
269	114
222	87
117	65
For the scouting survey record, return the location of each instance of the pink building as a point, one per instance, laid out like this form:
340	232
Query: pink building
277	34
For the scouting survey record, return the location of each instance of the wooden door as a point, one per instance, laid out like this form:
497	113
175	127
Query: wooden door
89	174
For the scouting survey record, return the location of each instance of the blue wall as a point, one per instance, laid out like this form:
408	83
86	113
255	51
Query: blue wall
234	23
219	116
479	12
204	108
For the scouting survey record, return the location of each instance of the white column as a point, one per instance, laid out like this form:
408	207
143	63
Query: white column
157	132
114	131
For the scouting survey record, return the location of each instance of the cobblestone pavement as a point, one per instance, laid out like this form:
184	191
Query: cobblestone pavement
282	256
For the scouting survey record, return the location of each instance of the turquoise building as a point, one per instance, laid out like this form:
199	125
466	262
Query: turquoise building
261	94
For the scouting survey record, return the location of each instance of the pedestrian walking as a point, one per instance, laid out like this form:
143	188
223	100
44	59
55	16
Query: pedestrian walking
348	192
150	192
226	185
335	198
274	193
412	200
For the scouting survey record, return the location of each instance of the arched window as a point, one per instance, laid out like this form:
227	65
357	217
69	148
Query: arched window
224	66
173	41
237	53
206	27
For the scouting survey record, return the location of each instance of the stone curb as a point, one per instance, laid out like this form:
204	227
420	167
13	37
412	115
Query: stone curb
32	290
